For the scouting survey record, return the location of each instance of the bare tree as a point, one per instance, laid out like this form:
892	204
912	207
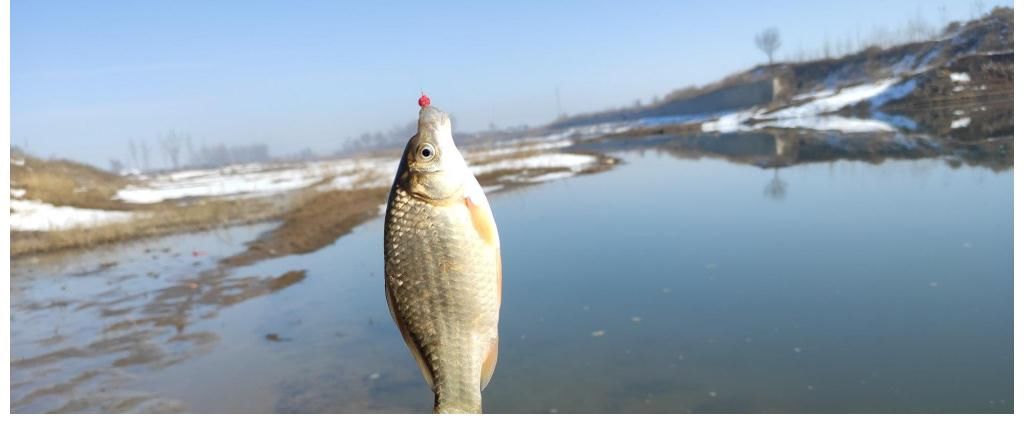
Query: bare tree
776	188
116	166
769	42
222	155
978	9
134	154
171	144
189	149
918	28
145	155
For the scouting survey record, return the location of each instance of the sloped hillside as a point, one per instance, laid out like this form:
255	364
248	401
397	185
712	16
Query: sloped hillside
991	34
970	98
64	183
983	47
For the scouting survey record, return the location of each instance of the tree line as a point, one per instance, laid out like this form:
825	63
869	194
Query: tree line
177	150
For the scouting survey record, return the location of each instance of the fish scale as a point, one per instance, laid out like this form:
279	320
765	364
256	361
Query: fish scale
442	280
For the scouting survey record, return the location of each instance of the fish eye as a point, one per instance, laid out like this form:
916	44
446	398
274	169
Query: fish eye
427	152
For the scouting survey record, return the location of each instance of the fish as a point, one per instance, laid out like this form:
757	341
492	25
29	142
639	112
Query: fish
442	266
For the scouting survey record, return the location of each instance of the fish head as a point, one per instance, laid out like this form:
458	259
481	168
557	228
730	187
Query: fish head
433	167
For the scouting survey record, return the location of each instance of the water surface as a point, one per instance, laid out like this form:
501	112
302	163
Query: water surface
676	282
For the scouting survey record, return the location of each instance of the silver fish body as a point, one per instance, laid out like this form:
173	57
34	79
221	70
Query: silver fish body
443	267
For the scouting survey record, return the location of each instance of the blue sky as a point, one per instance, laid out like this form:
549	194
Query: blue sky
89	76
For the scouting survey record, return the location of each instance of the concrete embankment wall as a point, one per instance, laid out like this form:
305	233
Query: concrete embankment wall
734	97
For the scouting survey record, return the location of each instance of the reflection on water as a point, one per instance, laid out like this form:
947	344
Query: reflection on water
776	188
783	148
875	279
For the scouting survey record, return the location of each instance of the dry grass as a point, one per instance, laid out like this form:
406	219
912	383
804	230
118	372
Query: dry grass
66	183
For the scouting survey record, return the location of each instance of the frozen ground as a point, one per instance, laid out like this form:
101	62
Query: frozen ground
247	180
30	215
256	180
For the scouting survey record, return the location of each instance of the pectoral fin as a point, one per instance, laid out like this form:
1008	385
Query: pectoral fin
480	212
490	361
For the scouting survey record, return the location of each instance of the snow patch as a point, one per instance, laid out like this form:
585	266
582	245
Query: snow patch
893	93
254	180
844	97
959	77
573	162
960	123
731	122
507	150
216	186
31	215
17	192
831	123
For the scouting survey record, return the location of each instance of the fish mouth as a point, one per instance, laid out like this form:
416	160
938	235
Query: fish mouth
438	201
425	169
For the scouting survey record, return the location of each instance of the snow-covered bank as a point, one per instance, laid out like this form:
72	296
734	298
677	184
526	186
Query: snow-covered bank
571	162
30	215
254	180
830	103
814	111
509	150
247	180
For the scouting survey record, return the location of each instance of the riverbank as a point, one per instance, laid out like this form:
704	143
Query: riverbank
61	205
